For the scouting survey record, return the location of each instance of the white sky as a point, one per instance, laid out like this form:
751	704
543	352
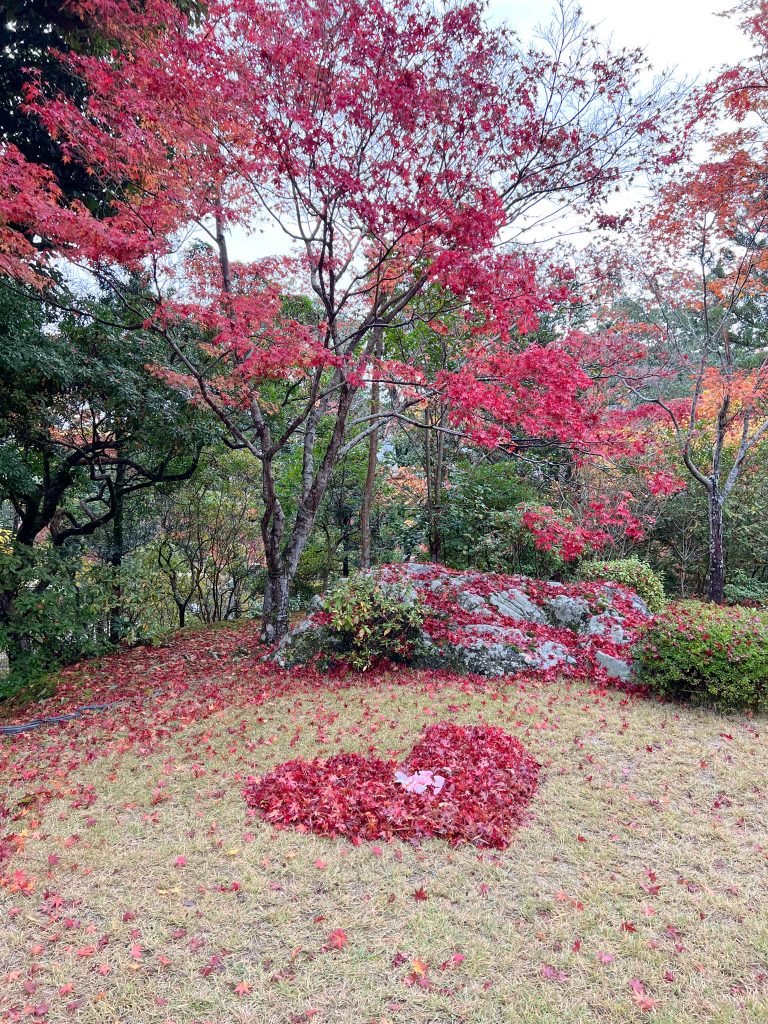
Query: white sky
686	34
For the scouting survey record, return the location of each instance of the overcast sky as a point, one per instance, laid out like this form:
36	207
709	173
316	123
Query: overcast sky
687	34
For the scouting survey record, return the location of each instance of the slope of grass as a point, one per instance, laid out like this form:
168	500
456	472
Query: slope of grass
137	888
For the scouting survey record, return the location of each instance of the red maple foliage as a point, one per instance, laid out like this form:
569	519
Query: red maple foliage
697	275
490	780
553	531
393	143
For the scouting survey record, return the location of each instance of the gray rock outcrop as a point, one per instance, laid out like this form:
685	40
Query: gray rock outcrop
493	625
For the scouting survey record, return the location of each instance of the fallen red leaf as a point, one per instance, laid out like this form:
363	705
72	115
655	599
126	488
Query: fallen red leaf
338	938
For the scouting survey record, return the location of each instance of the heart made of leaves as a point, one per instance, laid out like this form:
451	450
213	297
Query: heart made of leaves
489	780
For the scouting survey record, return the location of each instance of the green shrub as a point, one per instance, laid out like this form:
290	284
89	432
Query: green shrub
59	614
630	572
371	620
707	654
742	588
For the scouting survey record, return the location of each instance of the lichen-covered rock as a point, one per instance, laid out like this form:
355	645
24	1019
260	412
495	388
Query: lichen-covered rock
305	642
567	611
548	655
616	668
514	604
475	658
607	624
471	602
494	625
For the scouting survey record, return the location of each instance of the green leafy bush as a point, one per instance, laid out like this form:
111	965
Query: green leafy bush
629	572
59	613
742	588
707	654
372	620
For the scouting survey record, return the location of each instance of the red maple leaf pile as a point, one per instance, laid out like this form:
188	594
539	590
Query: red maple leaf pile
490	779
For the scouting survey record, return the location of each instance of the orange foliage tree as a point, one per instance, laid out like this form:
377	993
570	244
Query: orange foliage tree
708	374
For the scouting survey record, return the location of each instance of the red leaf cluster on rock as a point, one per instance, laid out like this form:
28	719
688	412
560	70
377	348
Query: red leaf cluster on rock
490	779
447	622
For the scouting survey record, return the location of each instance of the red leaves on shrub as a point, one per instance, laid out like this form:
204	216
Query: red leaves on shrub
490	779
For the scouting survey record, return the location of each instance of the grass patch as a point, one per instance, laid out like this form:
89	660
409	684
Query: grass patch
147	893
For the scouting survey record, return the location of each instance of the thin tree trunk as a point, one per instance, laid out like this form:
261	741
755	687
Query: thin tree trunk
436	542
433	473
370	481
716	548
428	477
117	547
370	476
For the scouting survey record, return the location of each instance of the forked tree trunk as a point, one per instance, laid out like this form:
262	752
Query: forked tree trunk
283	548
716	547
281	570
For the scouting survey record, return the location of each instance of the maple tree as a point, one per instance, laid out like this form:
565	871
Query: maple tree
704	292
719	427
698	391
393	144
32	32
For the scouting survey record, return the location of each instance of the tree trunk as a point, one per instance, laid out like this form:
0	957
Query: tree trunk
716	547
346	523
117	547
436	541
365	508
433	466
436	535
17	643
281	553
275	611
370	476
13	646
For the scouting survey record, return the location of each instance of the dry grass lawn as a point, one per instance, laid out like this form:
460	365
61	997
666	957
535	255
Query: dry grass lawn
639	890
